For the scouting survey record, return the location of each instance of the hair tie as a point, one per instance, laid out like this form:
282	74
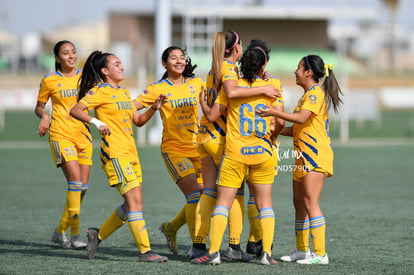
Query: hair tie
235	43
307	62
265	56
328	67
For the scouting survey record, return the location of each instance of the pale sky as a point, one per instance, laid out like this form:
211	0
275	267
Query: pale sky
25	16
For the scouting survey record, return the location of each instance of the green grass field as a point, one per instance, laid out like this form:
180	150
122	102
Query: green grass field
367	204
22	126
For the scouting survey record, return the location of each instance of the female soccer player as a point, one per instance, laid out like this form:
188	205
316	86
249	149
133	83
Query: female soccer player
70	140
223	76
180	125
313	147
114	110
254	245
248	149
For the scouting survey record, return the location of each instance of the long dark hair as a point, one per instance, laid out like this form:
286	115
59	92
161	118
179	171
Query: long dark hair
189	68
330	84
56	50
92	74
251	62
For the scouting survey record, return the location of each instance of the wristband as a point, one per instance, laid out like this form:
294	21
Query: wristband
154	109
97	123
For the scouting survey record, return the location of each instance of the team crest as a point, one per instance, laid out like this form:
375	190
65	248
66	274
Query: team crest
67	152
312	97
192	90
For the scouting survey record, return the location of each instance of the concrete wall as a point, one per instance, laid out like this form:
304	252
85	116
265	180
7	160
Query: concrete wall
282	32
139	31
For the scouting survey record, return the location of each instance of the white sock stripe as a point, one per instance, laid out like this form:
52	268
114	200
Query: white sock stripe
266	212
221	210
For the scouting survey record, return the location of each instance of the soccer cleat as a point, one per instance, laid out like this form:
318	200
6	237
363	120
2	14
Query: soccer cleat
61	239
213	258
266	259
93	242
196	252
236	254
314	259
171	236
251	248
296	255
151	257
255	248
77	242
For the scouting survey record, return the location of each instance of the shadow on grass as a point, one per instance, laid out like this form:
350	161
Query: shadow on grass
12	247
22	247
41	249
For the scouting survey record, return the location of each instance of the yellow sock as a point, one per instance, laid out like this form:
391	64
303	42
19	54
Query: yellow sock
138	229
70	215
236	218
218	226
302	235
252	213
116	220
64	221
204	211
317	229
73	198
74	222
190	214
180	219
84	188
267	222
255	233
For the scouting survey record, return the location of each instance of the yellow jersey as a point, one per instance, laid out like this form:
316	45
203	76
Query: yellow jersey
311	139
179	115
248	135
216	131
114	107
63	93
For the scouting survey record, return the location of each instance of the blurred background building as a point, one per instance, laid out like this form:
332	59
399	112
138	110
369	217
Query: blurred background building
371	43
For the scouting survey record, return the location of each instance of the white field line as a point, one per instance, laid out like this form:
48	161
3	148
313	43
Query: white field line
284	142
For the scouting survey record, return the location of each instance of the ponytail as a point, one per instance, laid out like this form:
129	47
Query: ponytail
251	63
332	90
92	74
217	52
223	45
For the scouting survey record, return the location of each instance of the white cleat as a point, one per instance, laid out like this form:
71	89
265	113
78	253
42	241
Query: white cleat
314	259
296	255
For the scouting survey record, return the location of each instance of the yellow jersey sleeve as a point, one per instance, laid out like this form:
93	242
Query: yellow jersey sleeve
229	71
149	95
44	92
